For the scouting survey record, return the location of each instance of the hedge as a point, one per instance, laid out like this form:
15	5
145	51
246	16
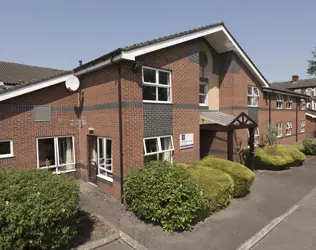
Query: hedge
278	157
37	209
216	185
310	146
242	176
165	194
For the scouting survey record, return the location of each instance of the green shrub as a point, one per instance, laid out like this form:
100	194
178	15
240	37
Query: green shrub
37	209
310	146
165	194
242	176
216	185
297	156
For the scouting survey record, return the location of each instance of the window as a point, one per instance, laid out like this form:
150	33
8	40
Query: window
303	125
309	105
297	90
56	153
288	103
203	93
257	136
302	104
156	85
6	148
105	163
314	91
253	96
288	129
279	101
158	148
313	106
308	92
279	129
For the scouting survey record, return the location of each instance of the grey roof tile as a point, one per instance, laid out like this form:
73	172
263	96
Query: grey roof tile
16	74
217	117
295	85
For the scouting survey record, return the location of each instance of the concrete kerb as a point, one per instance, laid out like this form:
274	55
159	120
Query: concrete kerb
249	244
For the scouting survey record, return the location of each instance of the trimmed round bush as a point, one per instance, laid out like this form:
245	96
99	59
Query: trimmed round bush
37	209
310	146
216	185
165	194
242	176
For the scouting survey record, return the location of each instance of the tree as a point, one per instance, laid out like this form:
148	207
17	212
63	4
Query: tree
272	134
312	64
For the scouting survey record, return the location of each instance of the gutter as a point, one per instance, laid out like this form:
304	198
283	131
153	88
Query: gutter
284	92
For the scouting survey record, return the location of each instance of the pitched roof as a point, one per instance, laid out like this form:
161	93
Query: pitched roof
16	74
217	117
279	90
295	85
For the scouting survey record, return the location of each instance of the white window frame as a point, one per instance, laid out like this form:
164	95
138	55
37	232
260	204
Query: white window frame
279	101
205	85
288	128
157	85
298	90
253	95
109	173
309	105
289	101
314	91
279	127
303	126
159	151
308	92
313	105
56	149
302	104
11	150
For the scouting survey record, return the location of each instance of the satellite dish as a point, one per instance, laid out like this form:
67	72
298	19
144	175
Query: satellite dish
72	83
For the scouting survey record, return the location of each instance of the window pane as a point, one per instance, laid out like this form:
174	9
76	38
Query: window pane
108	151
249	90
166	143
101	151
5	148
163	94
149	75
151	145
166	156
250	100
164	78
202	89
255	92
149	158
46	152
202	99
255	101
66	152
149	93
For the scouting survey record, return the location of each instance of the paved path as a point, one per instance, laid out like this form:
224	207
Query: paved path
298	231
272	194
116	245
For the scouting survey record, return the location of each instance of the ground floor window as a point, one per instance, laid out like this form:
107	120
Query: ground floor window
257	136
56	153
303	125
288	129
158	148
105	163
279	129
6	148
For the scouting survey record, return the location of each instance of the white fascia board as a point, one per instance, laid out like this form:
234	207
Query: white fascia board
313	116
33	87
98	65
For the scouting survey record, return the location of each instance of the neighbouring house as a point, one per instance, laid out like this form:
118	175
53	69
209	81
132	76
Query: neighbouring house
175	98
307	87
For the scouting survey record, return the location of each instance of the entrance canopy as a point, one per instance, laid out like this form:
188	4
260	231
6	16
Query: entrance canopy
222	122
219	121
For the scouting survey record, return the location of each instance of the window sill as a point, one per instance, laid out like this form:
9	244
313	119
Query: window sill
6	156
288	135
157	102
105	178
203	105
253	106
64	172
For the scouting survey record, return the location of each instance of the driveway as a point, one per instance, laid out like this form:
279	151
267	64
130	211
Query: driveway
272	194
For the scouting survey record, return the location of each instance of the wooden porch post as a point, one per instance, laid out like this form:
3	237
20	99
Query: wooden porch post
230	145
251	161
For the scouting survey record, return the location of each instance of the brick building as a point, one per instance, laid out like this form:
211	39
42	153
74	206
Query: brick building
177	98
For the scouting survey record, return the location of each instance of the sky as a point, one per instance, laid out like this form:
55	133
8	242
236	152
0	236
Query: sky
277	35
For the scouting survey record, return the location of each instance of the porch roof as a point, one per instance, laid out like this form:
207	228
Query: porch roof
216	120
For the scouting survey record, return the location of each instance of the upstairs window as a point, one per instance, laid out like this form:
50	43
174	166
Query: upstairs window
302	104
158	148
303	125
6	148
288	129
308	92
289	102
297	90
279	101
253	96
203	93
156	85
279	129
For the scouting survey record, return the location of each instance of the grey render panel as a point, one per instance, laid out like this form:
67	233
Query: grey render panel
42	113
157	119
253	113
